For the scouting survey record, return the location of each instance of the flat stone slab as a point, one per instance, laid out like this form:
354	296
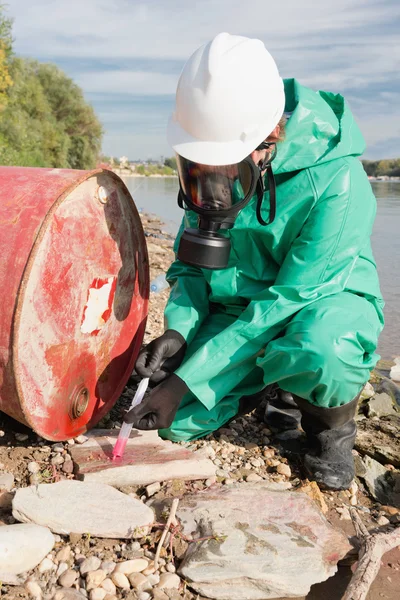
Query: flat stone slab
147	459
22	548
268	544
79	507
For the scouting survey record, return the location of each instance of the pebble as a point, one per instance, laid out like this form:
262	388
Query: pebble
154	579
57	447
110	597
64	554
257	462
382	521
139	582
353	501
283	469
159	595
68	467
390	510
121	581
171	568
210	481
21	437
109	586
150	569
6	481
144	596
108	566
153	488
57	460
46	565
68	578
253	477
94	579
136	565
33	589
33	467
97	594
81	439
62	567
169	580
89	564
250	446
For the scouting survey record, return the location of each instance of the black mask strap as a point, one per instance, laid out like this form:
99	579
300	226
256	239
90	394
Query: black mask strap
272	196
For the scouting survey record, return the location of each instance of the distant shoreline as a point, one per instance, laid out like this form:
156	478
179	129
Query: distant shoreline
129	174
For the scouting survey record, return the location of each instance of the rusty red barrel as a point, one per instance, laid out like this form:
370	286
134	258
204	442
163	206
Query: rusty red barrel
74	280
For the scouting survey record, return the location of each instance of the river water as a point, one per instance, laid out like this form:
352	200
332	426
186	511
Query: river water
157	195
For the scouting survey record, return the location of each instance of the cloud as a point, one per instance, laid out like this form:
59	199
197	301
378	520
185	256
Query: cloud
133	52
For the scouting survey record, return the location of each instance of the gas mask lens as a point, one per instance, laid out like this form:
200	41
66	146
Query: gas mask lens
216	188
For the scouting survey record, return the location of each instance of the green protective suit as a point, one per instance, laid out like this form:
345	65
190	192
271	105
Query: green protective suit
299	303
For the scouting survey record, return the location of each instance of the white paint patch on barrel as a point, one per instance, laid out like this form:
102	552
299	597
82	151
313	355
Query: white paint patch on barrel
96	306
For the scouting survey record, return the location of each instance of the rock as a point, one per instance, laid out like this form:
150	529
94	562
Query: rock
94	579
144	596
382	521
382	483
159	595
64	554
68	578
6	500
153	488
46	565
169	581
253	477
34	589
380	405
57	460
171	568
21	437
367	392
139	582
312	490
108	566
153	579
390	510
68	467
135	565
147	459
284	469
121	581
23	547
395	370
67	594
254	528
89	564
33	467
380	443
62	567
97	594
81	439
6	481
103	511
109	586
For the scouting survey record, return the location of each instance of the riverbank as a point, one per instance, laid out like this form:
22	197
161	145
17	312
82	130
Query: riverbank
245	451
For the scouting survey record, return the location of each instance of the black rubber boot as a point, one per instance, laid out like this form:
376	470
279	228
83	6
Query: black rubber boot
281	411
331	433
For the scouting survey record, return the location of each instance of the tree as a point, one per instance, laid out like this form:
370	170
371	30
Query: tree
5	52
171	162
45	120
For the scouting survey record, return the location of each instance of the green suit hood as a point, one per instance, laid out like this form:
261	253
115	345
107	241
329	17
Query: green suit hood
320	128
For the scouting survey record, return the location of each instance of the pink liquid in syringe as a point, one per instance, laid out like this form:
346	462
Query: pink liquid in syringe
119	448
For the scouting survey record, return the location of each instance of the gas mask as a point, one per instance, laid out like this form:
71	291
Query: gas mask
217	194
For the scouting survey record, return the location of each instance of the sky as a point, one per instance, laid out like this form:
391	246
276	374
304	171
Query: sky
127	56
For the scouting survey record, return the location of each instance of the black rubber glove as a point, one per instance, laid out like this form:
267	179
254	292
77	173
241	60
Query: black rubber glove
161	357
158	410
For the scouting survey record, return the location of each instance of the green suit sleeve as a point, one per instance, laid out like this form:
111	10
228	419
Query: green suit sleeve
318	264
188	303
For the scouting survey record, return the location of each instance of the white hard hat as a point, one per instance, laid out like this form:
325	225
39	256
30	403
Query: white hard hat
229	98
